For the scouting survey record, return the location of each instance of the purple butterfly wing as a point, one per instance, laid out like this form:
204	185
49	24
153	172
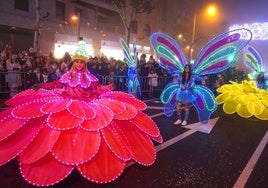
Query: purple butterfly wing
220	53
169	54
253	59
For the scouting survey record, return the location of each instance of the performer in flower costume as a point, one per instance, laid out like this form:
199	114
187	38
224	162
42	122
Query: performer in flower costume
249	98
133	82
83	126
218	55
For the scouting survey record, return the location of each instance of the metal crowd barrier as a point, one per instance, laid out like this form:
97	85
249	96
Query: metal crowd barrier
14	82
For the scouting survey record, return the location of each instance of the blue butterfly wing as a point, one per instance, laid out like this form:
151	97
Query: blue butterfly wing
254	60
220	53
168	98
169	53
205	103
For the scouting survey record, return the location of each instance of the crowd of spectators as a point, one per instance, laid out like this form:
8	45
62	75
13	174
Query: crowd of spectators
24	69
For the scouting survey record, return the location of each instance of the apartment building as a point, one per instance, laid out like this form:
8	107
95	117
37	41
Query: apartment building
99	24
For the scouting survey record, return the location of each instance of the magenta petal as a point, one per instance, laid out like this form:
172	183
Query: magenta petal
139	144
146	124
115	143
76	108
45	172
116	106
40	146
128	114
76	146
33	110
55	106
69	121
9	125
30	95
103	118
17	142
81	109
103	168
115	94
125	97
5	113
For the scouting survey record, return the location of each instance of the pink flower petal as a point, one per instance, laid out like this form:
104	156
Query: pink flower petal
158	139
33	110
69	121
103	118
45	172
138	143
55	106
146	124
9	125
114	94
125	97
76	146
81	109
103	168
17	142
40	146
115	143
30	95
5	113
116	106
128	114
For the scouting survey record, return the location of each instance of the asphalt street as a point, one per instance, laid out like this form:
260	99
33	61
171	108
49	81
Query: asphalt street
229	151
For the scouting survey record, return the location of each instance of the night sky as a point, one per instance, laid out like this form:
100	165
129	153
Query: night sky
244	11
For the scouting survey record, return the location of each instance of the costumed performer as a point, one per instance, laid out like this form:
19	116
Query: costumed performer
76	124
255	62
249	98
216	56
133	81
184	96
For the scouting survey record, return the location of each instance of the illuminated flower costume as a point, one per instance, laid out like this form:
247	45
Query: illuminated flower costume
245	99
250	97
84	126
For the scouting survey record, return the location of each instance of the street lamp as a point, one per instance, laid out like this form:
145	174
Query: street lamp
76	18
210	12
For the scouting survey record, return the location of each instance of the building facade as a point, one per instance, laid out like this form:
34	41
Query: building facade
99	24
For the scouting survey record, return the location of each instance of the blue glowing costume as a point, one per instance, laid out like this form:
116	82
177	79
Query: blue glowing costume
254	61
133	82
216	56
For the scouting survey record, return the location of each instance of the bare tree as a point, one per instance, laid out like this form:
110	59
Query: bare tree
37	28
128	9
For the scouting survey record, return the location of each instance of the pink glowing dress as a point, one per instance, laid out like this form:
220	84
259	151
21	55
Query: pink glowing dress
84	126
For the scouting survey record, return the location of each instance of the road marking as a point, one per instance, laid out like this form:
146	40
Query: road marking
192	129
205	128
243	178
155	107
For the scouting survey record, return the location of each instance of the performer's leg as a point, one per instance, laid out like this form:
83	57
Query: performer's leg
178	108
186	114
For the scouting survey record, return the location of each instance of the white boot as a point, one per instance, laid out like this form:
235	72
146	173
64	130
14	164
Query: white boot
184	123
177	122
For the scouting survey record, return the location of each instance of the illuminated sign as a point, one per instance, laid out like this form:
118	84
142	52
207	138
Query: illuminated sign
259	30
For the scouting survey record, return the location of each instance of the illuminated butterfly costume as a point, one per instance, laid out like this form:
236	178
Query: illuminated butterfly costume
133	82
254	61
76	124
218	55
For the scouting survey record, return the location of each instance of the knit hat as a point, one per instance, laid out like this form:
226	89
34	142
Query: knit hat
80	52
